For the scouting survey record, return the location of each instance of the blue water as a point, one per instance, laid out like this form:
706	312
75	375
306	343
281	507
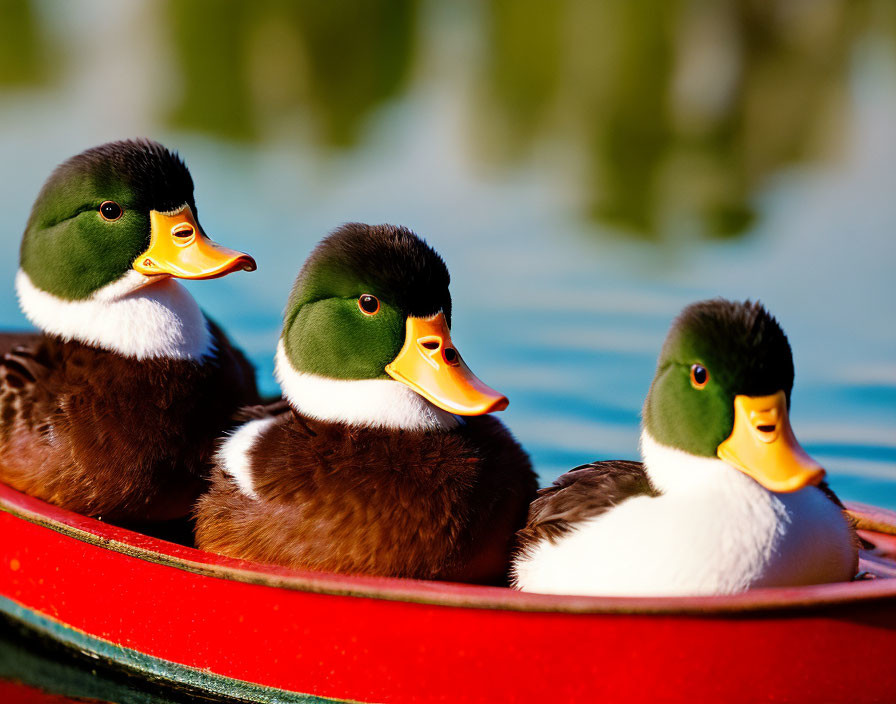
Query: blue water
560	302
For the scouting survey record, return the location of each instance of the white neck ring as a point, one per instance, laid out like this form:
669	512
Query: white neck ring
135	316
373	403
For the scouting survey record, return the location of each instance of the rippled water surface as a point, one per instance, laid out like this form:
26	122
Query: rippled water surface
580	200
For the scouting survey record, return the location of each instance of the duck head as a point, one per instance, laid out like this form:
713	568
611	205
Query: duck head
371	308
123	210
722	390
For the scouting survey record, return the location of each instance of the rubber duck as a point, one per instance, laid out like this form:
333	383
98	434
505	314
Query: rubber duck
387	462
725	499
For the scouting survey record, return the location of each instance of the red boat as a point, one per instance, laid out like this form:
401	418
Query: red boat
260	633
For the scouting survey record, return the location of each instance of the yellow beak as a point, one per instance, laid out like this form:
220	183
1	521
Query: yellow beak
178	247
762	445
432	367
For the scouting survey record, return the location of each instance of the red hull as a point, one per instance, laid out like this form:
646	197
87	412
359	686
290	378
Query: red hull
241	628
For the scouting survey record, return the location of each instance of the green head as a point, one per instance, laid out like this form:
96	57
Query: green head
715	351
91	219
372	302
330	331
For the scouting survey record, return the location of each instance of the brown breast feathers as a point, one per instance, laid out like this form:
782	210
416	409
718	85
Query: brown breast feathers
108	436
431	505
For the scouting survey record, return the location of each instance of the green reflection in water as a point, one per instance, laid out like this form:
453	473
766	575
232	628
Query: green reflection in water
680	110
627	113
210	48
22	55
258	62
358	54
522	67
668	116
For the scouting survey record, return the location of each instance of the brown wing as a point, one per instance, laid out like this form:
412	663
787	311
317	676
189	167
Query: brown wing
24	366
102	434
262	411
11	340
582	493
853	519
20	367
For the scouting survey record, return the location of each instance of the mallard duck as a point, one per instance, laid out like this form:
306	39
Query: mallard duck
386	463
725	500
114	409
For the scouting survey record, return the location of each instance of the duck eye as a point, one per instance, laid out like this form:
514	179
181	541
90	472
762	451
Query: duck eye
699	376
368	304
110	210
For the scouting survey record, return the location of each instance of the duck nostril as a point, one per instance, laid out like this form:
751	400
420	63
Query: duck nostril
183	232
430	344
450	355
765	428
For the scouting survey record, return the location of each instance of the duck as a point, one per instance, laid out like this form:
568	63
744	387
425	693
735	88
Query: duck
113	408
724	499
387	461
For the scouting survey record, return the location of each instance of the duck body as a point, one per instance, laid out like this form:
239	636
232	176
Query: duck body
316	495
114	408
608	529
385	462
115	437
725	499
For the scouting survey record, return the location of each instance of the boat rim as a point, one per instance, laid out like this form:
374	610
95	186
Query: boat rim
154	550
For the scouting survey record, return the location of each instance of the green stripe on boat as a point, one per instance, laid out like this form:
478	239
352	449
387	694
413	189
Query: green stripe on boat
146	666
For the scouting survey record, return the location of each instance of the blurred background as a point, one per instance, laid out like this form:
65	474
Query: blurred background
586	169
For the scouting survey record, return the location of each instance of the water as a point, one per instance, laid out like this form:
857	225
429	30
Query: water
586	170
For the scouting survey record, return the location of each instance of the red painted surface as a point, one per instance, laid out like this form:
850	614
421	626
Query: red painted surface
16	693
842	648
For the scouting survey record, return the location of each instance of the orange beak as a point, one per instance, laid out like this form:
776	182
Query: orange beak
762	445
432	367
178	247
